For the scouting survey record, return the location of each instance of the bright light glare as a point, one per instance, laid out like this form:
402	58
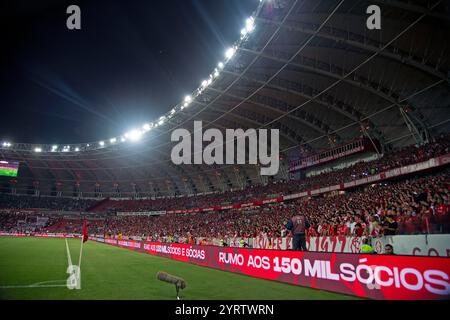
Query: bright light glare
77	149
146	127
250	24
101	143
230	53
113	140
188	99
221	65
37	149
135	135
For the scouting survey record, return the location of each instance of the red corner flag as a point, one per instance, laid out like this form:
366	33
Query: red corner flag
85	232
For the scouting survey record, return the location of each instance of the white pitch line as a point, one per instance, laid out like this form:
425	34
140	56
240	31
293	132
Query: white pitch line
69	259
32	286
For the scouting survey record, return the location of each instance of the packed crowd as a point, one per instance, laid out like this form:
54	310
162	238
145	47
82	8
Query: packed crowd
417	205
406	156
402	157
8	201
414	206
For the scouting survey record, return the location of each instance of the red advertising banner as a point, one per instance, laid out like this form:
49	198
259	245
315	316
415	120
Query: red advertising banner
368	276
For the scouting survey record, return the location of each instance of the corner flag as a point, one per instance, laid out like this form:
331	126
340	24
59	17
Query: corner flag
85	233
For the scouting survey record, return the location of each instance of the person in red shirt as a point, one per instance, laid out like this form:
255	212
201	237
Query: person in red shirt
342	230
359	230
443	218
311	232
410	224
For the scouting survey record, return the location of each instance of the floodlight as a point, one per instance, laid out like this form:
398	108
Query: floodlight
134	135
250	24
230	53
146	127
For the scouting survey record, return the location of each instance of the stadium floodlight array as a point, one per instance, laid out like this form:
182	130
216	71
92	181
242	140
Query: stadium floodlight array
136	134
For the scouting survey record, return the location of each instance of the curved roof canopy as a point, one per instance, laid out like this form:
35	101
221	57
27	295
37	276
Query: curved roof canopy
311	69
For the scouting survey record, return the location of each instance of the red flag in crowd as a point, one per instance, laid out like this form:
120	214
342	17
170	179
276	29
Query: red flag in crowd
85	233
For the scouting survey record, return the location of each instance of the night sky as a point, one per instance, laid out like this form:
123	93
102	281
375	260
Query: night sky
131	62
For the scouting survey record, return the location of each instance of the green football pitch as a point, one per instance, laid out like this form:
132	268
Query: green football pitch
109	272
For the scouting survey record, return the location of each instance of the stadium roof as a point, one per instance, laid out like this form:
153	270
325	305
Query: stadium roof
311	69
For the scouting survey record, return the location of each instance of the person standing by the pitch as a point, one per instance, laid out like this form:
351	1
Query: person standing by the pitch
298	225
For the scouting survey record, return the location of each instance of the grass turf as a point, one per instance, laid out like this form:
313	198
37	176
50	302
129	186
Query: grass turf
109	272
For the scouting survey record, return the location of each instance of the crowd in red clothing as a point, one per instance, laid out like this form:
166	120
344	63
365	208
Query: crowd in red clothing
414	206
405	156
417	205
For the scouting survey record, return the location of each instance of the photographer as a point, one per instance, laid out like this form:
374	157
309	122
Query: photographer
298	225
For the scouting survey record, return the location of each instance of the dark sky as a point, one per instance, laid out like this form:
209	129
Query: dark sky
131	62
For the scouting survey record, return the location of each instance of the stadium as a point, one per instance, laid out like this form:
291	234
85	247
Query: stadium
349	101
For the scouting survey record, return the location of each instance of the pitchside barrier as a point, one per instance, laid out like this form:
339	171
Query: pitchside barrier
433	245
417	245
437	245
369	276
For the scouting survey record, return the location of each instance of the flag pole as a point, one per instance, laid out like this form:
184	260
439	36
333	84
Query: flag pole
81	254
81	251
